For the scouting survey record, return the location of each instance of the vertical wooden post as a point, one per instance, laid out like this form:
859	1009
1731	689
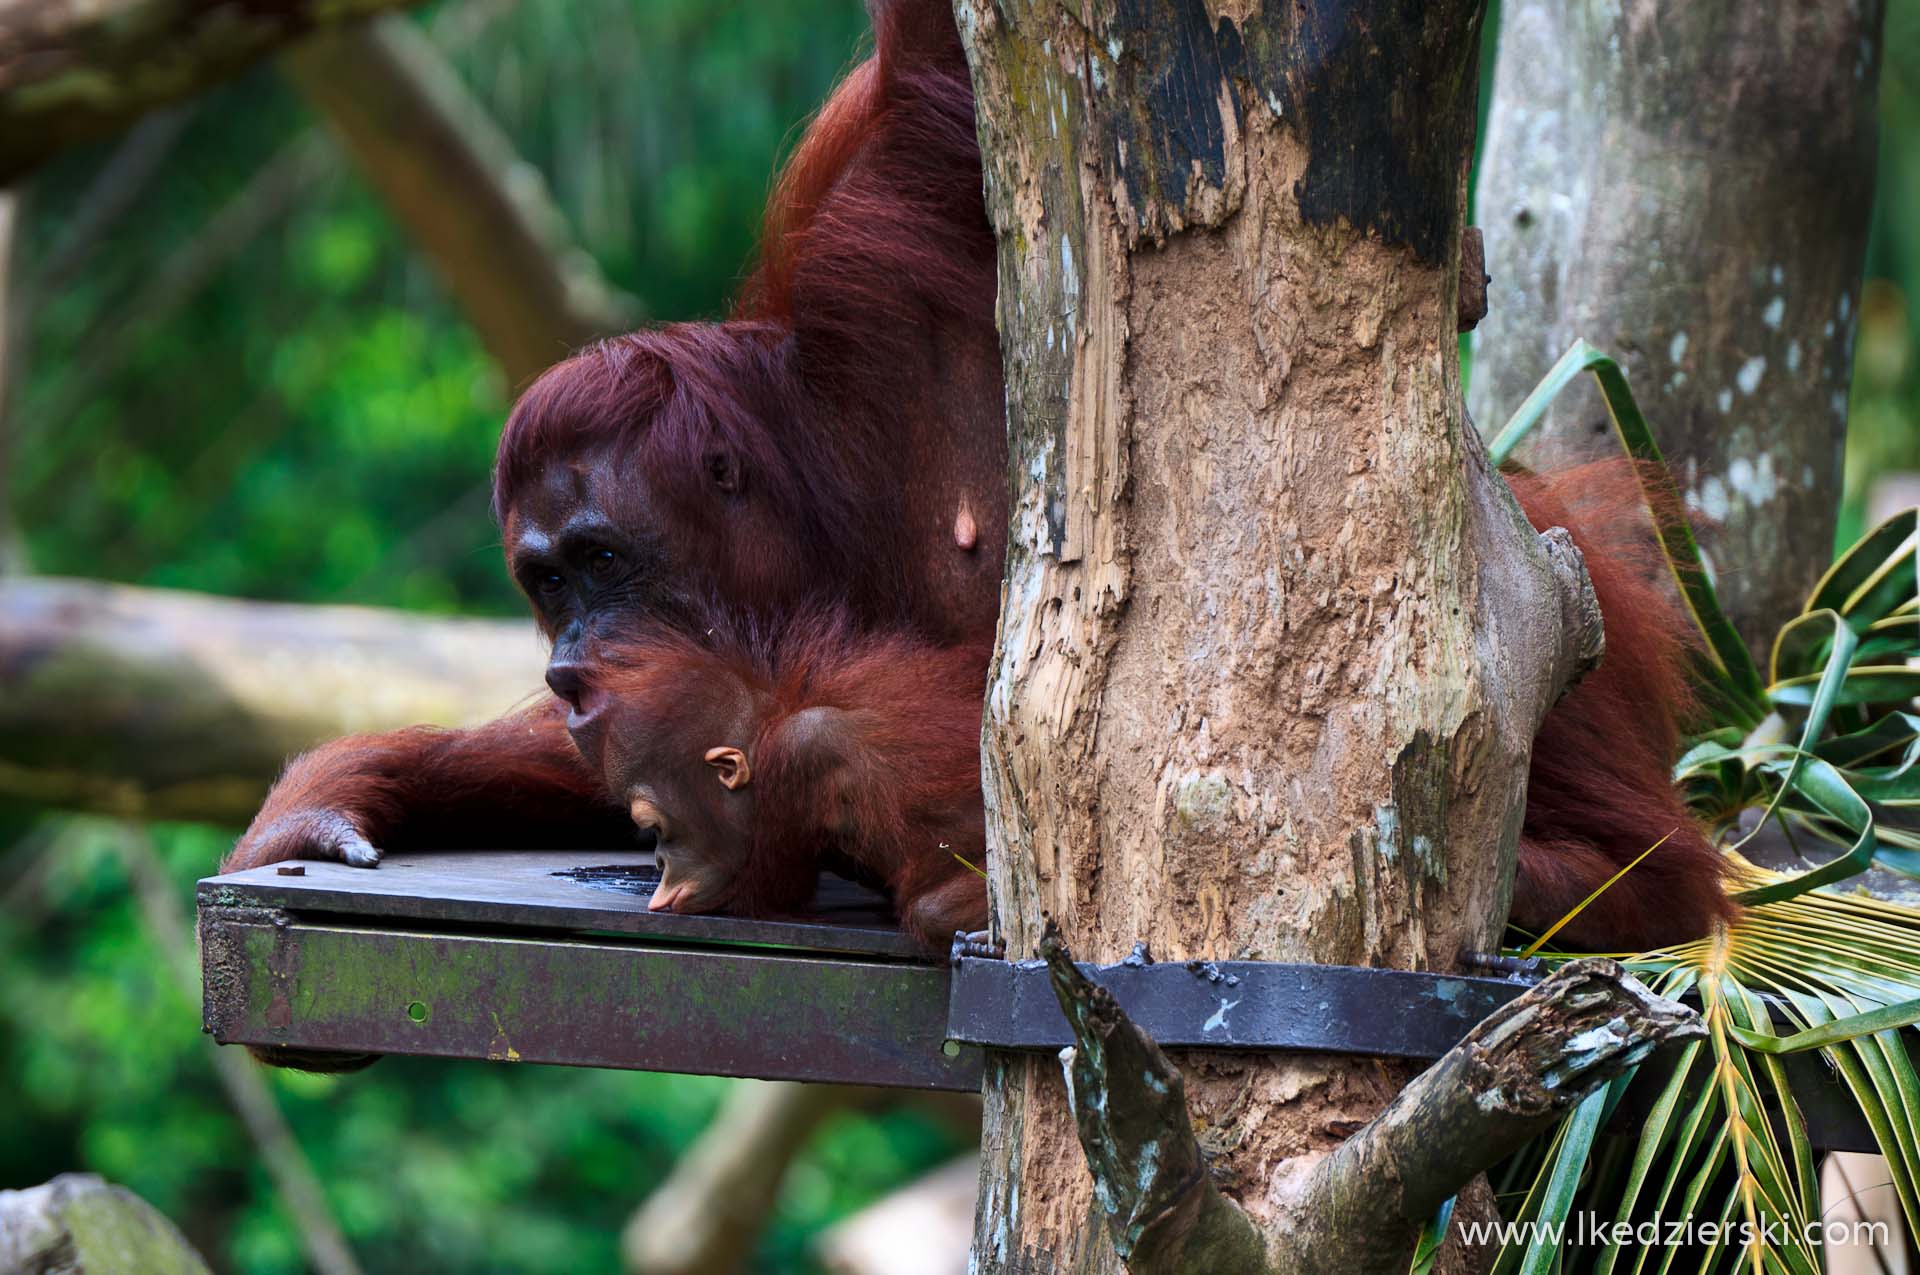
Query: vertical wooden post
1274	640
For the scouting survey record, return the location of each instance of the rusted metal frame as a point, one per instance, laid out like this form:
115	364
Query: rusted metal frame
585	891
275	978
1234	1005
553	957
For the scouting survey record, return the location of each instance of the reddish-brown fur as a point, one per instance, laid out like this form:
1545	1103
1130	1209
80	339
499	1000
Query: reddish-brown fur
1599	791
862	746
820	445
857	382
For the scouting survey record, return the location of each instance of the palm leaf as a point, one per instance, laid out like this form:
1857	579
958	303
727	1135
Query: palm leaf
1733	683
1827	749
1834	974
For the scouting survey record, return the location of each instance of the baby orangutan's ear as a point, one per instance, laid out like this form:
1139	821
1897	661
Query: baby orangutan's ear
732	765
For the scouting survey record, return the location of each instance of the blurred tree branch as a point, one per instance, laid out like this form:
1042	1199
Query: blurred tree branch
120	185
708	1216
148	703
71	70
81	1223
925	1227
445	170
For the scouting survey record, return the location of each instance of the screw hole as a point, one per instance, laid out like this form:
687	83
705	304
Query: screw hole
950	1048
417	1011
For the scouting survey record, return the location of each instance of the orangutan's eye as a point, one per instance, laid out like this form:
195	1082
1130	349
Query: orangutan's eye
549	583
601	562
724	471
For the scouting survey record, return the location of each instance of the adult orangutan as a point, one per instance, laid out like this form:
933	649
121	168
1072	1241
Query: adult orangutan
839	442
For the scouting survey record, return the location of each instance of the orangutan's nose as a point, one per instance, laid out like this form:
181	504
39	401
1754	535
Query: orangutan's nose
568	680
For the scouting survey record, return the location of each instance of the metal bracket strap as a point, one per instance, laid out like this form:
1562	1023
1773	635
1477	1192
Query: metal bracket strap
1233	1005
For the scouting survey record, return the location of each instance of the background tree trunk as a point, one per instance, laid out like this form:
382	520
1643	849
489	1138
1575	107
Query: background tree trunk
469	203
71	70
1247	702
13	554
1688	187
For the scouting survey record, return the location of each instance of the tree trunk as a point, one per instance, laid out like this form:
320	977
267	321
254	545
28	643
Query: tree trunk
71	70
1688	186
13	552
1275	640
478	212
152	704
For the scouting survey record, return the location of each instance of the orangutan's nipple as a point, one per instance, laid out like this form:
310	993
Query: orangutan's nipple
966	533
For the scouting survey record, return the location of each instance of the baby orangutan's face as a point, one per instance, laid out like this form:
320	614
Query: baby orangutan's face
694	794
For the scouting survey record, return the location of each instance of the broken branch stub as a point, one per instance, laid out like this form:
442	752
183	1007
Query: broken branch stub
1129	1102
1522	1068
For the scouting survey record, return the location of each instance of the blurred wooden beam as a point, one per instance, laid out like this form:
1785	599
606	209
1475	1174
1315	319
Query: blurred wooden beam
447	173
71	70
154	704
924	1228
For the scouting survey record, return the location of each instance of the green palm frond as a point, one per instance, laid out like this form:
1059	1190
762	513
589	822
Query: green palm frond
1835	758
1730	681
1826	973
1826	748
1828	739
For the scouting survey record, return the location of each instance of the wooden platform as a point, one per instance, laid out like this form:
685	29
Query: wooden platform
543	956
553	957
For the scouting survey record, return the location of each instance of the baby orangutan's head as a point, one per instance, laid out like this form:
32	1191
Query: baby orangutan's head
670	731
700	828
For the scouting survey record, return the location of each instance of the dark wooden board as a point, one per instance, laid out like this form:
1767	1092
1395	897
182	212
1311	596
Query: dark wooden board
523	889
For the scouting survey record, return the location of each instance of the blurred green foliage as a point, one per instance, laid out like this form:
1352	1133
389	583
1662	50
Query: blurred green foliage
248	383
1883	422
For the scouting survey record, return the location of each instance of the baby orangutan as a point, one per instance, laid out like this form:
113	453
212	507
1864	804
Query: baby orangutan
756	760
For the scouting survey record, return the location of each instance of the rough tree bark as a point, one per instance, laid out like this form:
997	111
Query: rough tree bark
469	203
71	70
1688	186
152	704
1274	639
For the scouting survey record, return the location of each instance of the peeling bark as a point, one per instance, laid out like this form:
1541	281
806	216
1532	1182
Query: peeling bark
1274	640
1688	186
72	70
